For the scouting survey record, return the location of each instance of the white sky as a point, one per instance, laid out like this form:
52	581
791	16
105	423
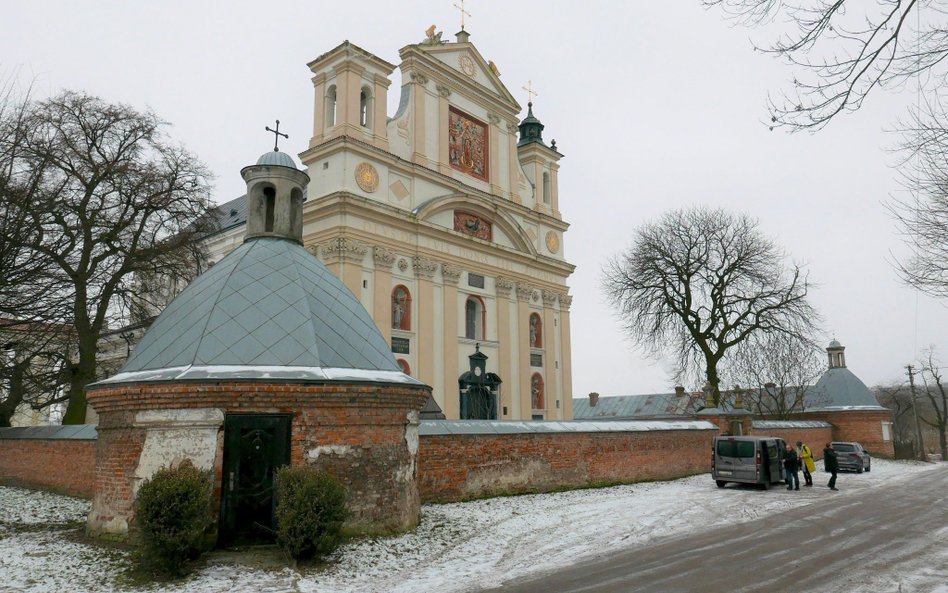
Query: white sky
656	105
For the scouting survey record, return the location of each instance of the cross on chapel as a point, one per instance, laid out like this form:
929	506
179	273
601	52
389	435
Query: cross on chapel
276	135
530	92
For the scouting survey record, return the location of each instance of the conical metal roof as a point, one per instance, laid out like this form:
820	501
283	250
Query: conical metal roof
268	310
839	388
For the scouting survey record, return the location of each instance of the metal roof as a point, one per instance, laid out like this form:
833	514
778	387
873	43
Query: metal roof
840	388
75	432
266	309
276	158
650	405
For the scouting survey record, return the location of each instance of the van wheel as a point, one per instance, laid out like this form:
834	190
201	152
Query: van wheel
867	469
859	469
720	483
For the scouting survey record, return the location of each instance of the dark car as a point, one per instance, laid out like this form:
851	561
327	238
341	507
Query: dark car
851	456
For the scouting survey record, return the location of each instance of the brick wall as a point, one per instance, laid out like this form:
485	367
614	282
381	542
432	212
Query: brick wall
64	466
863	426
814	437
362	433
457	467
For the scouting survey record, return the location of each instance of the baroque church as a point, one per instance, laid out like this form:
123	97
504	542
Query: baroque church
443	219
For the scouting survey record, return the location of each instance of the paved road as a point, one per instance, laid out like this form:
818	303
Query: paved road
819	547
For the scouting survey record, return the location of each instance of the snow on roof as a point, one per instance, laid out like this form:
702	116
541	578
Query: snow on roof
773	424
283	373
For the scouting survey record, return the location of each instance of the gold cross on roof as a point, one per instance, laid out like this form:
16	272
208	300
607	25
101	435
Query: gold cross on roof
530	92
463	12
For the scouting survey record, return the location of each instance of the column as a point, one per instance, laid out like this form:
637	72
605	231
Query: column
514	163
525	295
418	92
344	257
452	404
443	109
424	272
551	385
566	362
507	337
382	291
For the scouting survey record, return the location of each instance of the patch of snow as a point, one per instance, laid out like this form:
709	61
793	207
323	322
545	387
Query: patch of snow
436	427
457	547
297	373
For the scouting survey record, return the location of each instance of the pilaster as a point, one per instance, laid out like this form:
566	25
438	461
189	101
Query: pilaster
525	295
507	335
451	406
382	290
566	362
344	258
551	386
425	270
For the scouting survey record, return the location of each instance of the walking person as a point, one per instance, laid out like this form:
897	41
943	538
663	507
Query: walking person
790	463
830	464
806	462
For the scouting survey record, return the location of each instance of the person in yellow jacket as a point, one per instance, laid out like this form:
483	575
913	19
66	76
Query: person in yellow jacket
806	460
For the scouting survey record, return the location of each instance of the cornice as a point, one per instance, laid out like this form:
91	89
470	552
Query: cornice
409	168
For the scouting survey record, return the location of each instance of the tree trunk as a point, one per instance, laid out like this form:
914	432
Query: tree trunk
83	374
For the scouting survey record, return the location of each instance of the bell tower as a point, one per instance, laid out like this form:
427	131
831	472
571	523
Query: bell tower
275	197
351	94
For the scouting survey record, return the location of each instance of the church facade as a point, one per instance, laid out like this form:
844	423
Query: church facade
442	219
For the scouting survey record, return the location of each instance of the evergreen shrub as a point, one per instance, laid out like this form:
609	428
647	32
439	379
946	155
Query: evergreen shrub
310	509
173	512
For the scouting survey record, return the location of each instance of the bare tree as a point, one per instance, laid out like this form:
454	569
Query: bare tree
700	282
105	197
840	52
34	362
933	382
923	217
898	398
778	370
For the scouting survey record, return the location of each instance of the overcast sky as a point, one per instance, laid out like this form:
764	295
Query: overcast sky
656	105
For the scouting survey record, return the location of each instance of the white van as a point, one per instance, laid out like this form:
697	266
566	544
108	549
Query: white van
747	460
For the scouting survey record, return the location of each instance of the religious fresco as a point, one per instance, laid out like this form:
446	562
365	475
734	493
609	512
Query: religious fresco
468	149
473	225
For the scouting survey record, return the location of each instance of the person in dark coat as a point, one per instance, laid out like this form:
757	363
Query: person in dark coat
790	464
830	464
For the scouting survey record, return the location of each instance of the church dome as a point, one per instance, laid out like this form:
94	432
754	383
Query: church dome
276	158
268	310
839	388
835	344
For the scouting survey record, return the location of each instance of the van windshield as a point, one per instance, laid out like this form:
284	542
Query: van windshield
736	448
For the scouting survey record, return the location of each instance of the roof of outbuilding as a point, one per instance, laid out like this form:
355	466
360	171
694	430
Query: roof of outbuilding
651	405
268	309
840	388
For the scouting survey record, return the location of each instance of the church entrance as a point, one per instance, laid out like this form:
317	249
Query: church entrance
255	445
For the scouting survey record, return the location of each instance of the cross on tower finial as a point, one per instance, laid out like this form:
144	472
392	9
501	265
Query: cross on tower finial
276	136
530	92
463	12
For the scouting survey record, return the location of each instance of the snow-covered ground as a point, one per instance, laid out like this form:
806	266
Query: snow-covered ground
458	547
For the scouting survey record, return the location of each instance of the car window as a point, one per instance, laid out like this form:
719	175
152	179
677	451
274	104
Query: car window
736	448
843	447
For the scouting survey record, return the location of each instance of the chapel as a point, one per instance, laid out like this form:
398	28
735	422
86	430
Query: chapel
443	219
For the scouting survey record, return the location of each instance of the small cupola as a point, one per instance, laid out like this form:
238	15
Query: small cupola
531	130
837	360
275	196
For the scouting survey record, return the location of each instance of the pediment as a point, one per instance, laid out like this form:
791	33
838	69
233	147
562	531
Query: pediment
468	63
476	218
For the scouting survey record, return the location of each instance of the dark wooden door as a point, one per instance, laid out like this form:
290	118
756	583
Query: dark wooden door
255	445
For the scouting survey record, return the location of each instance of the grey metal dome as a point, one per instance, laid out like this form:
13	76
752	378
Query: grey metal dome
839	388
268	310
276	158
835	344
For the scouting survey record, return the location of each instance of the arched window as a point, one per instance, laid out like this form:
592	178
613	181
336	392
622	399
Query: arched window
536	331
547	189
269	202
365	107
537	399
403	364
331	106
474	318
401	308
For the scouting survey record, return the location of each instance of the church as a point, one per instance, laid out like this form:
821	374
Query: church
443	219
